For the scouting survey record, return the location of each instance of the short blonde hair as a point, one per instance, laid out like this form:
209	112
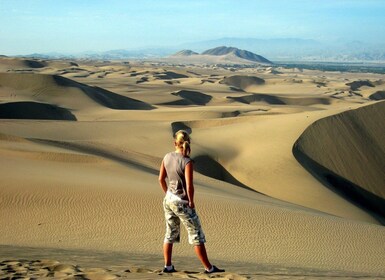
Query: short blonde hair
183	140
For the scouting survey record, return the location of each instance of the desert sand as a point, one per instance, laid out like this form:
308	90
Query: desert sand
289	169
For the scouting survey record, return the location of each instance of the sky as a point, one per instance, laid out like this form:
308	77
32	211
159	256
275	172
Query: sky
73	26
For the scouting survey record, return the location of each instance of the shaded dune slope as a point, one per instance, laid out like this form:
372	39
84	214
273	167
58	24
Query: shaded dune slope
378	95
34	110
34	63
248	99
168	75
207	166
175	126
347	153
195	97
45	88
356	85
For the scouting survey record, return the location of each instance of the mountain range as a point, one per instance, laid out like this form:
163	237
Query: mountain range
280	49
295	49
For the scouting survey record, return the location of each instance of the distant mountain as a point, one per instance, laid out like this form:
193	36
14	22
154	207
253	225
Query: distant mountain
243	54
219	55
185	53
275	49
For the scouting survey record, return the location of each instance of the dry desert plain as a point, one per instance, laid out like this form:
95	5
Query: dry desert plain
289	169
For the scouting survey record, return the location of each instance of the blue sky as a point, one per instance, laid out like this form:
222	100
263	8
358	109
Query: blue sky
28	26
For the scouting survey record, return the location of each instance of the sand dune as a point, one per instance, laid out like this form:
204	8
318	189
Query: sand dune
16	65
194	97
278	100
115	101
350	156
307	101
242	82
104	97
65	92
270	99
169	75
82	197
7	63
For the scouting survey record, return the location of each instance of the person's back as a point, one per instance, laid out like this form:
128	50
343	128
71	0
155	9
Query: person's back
175	164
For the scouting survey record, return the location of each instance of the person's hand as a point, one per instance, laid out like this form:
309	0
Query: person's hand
191	204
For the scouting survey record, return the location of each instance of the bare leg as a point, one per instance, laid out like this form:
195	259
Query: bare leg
200	250
167	253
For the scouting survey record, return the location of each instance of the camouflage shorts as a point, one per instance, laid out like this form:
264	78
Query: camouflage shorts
175	212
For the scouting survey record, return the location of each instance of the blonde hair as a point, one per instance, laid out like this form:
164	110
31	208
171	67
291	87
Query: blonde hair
182	141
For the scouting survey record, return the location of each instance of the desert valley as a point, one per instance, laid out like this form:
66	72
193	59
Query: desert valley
289	167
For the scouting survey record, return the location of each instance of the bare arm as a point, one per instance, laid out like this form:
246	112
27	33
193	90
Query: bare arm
188	173
162	177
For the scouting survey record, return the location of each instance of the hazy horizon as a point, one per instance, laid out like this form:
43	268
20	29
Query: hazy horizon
73	26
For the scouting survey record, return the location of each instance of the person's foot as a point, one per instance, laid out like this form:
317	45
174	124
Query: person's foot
214	269
169	270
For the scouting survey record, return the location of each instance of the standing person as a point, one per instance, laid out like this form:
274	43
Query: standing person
179	204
